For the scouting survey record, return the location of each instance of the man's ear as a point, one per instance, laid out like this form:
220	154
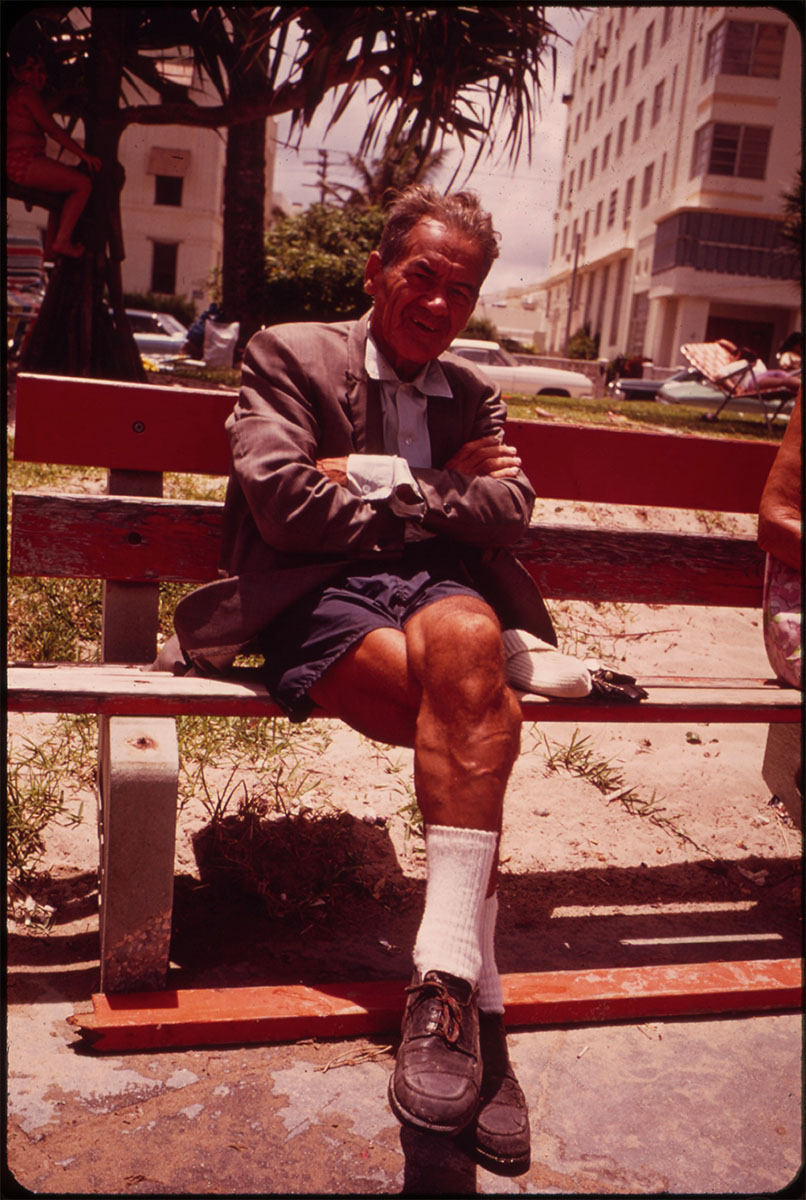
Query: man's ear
371	271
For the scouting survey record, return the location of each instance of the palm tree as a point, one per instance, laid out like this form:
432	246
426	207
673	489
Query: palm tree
435	72
399	165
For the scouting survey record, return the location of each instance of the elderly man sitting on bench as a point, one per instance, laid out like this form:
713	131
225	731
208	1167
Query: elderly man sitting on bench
371	504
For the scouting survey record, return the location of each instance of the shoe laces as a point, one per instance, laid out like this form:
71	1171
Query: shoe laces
449	1021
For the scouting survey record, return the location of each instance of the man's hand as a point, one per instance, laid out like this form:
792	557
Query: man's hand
486	456
334	468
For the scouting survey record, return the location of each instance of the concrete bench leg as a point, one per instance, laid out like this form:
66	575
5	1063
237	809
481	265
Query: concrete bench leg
782	769
139	767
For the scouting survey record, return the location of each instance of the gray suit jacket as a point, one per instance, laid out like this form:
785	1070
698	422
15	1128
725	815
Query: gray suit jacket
288	529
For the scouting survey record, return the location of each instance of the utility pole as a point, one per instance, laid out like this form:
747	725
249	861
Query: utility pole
321	175
571	297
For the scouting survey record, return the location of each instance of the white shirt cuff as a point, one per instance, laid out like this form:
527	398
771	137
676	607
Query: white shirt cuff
387	477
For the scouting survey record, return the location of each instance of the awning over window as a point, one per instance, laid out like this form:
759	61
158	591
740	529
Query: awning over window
168	162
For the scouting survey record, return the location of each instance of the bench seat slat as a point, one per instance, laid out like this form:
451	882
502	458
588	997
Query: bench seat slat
130	690
138	539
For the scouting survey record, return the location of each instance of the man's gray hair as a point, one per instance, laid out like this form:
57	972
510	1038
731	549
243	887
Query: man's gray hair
460	211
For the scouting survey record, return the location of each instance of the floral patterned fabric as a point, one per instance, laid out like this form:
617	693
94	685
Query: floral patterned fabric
782	620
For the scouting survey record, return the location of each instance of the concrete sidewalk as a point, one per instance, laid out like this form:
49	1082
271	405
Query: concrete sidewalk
678	1106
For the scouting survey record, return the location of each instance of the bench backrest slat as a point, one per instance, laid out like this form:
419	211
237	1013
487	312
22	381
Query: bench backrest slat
145	427
136	539
127	426
624	466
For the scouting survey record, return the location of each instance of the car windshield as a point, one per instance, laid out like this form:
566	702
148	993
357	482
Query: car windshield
171	324
492	357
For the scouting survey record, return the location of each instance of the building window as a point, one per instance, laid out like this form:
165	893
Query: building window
600	102
560	197
628	193
668	13
648	36
168	190
614	84
565	240
657	102
739	150
662	174
639	120
622	133
611	208
597	219
594	153
582	73
646	185
576	129
630	66
745	48
570	186
606	152
585	221
163	267
567	138
588	108
554	248
732	245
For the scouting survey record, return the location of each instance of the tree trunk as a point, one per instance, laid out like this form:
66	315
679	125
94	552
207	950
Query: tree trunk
76	332
243	270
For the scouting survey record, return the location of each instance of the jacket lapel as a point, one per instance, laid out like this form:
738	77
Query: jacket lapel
362	395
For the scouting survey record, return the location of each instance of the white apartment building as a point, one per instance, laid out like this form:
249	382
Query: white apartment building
683	131
172	201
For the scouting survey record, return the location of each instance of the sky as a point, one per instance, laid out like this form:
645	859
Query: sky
521	198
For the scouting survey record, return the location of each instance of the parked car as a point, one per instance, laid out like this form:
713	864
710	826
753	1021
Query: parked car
645	389
517	379
157	332
689	387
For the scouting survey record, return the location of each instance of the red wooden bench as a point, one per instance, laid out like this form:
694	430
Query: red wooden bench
133	539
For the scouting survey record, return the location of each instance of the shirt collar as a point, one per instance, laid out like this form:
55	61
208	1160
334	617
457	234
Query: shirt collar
430	380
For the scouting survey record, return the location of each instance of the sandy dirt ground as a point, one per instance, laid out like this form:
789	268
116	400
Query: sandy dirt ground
698	864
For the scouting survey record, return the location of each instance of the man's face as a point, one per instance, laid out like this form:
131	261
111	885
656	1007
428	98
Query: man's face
425	298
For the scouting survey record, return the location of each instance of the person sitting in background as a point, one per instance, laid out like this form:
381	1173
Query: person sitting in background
780	535
27	164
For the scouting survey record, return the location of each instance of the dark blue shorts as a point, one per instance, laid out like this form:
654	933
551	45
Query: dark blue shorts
302	642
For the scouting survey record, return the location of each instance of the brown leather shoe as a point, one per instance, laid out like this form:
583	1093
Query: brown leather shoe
499	1139
437	1074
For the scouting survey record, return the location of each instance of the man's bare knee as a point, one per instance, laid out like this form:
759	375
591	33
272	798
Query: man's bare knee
456	654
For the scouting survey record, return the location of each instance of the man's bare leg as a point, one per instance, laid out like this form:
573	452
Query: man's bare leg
441	686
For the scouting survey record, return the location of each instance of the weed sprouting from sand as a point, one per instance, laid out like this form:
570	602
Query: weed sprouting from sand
580	757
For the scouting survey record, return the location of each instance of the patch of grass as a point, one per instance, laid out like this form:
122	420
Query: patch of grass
250	765
53	620
37	778
189	376
579	757
678	417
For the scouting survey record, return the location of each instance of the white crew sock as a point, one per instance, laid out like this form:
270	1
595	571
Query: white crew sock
491	997
459	863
